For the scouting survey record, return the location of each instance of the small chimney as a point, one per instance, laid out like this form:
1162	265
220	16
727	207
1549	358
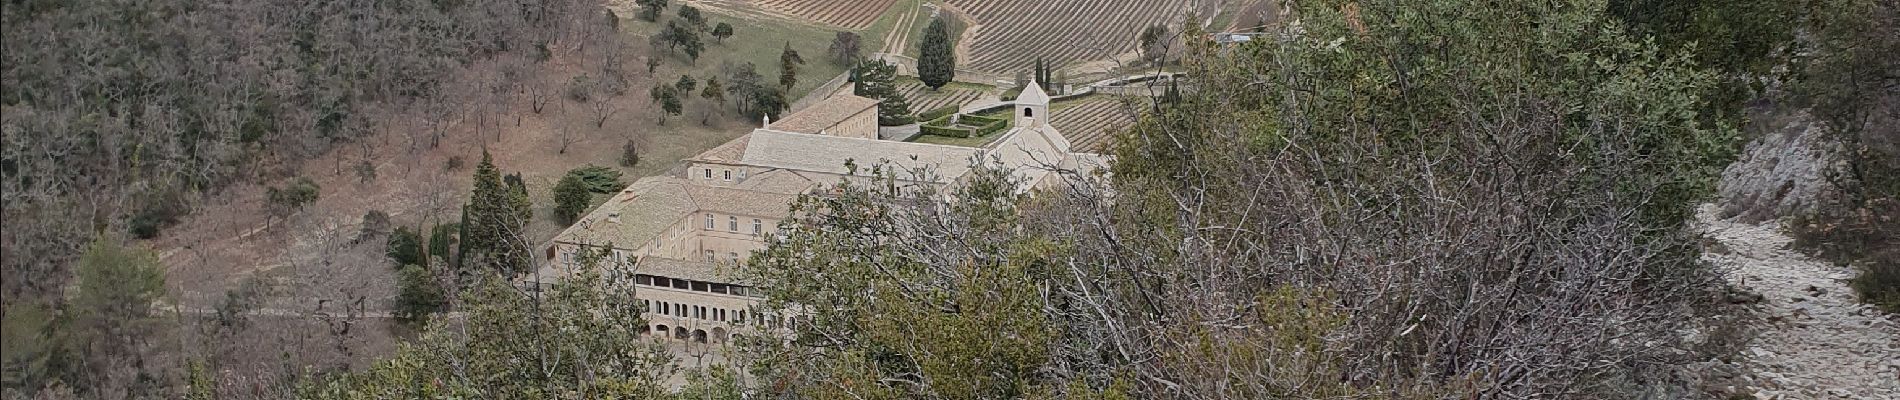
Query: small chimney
613	217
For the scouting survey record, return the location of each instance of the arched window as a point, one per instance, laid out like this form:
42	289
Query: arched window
1029	112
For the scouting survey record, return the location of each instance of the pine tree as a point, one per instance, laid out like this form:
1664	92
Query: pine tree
937	63
874	81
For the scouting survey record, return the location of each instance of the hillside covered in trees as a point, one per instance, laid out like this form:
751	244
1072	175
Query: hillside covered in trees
121	117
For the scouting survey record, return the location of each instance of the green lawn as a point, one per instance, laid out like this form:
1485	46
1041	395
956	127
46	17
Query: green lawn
978	141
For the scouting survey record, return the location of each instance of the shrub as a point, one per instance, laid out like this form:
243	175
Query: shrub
938	112
570	198
418	294
1866	237
948	131
979	120
897	120
598	179
162	211
579	88
293	196
404	246
453	163
629	154
992	127
1879	284
942	121
375	223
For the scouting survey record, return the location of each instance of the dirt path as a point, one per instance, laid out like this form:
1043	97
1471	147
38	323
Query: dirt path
899	37
1815	340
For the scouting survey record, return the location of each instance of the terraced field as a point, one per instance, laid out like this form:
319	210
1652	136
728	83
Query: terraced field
1090	122
847	14
922	99
1011	33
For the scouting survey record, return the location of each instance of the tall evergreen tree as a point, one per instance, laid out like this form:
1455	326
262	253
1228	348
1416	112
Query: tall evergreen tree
570	198
874	80
789	60
937	63
494	219
1042	74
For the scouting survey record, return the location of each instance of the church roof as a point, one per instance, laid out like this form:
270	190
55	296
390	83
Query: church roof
635	215
1032	94
828	154
725	153
682	269
824	114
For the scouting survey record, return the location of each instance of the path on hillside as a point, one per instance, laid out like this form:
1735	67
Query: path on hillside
1815	340
899	37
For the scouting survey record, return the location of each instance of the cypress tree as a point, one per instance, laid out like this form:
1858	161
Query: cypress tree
937	62
570	198
789	60
1042	75
494	214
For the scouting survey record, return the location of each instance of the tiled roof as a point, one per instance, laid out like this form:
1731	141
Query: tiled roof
727	152
779	181
649	265
825	114
650	206
725	200
635	215
683	269
828	154
1031	152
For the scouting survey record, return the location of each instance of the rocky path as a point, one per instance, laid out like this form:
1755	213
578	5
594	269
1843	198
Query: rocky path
1814	339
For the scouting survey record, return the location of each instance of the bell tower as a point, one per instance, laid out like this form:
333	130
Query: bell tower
1032	106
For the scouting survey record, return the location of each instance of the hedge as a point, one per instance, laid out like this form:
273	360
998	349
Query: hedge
991	127
947	131
938	112
897	120
968	119
939	122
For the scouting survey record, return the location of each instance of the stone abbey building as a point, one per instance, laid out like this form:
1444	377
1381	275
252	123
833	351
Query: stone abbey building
682	233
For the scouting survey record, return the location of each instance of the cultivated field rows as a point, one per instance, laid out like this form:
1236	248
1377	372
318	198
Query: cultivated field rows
922	99
847	14
1091	122
1011	34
